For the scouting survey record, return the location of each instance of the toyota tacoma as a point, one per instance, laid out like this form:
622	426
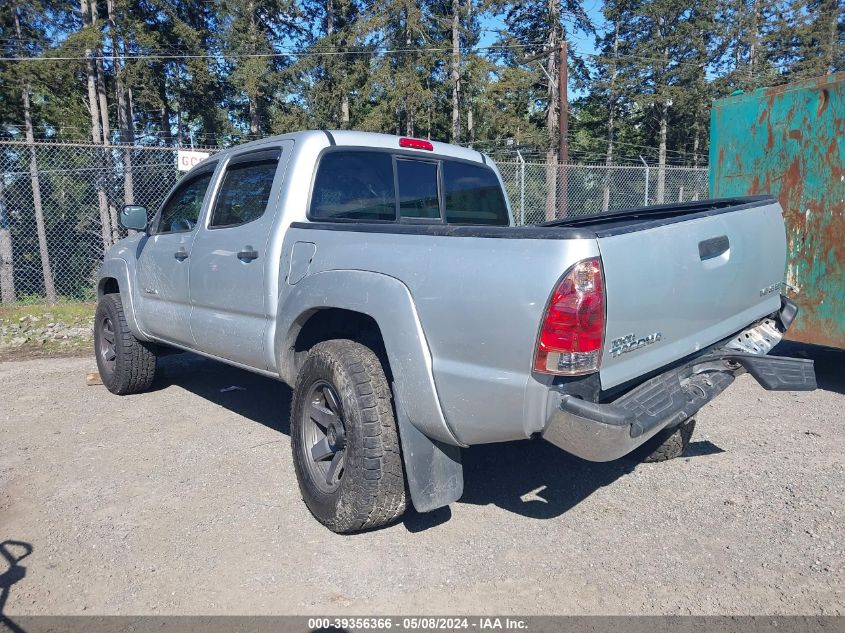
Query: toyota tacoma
384	279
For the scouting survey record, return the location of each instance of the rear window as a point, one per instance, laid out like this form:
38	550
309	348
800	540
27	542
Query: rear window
354	186
362	185
418	196
472	195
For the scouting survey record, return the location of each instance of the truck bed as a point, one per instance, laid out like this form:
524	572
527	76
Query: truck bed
638	218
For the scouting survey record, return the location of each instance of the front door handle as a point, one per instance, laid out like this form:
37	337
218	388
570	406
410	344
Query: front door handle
247	254
181	254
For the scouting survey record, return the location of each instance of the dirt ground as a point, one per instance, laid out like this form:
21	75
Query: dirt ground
183	501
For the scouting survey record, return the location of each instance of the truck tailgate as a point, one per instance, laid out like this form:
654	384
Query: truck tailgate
677	285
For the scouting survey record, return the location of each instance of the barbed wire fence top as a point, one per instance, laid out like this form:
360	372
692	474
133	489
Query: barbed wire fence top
59	204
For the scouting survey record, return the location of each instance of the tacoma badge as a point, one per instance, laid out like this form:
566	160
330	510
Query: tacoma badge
630	342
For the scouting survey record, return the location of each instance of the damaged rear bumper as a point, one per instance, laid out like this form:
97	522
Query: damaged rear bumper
607	431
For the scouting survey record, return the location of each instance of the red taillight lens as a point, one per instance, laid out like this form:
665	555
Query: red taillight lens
416	143
573	328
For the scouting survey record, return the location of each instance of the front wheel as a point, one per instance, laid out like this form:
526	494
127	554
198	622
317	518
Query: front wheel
344	439
126	365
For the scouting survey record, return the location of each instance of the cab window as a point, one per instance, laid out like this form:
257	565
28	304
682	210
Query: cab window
418	197
354	185
366	185
182	209
472	195
244	193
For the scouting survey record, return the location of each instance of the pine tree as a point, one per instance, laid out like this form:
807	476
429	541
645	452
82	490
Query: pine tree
186	87
668	47
8	113
537	30
27	43
123	98
99	131
249	31
334	75
820	38
401	89
606	84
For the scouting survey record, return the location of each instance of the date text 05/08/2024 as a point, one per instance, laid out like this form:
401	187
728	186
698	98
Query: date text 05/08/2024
419	623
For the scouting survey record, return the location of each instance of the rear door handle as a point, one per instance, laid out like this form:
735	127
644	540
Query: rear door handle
247	254
181	254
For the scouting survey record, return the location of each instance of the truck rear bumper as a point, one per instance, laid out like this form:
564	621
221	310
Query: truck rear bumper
604	432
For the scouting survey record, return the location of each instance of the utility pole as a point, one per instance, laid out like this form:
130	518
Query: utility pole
556	195
563	123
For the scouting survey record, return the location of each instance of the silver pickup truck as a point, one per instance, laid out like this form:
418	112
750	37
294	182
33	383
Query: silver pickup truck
383	278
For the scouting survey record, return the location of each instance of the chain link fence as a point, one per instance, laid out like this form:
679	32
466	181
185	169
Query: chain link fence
540	191
59	204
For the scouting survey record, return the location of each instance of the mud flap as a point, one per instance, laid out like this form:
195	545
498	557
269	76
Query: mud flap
433	469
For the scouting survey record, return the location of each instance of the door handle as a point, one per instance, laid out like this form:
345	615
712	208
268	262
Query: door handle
181	254
715	246
247	254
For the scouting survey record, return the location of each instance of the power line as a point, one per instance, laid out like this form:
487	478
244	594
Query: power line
107	56
176	53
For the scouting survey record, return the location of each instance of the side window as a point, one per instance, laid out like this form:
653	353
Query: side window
418	197
244	193
354	185
181	211
472	195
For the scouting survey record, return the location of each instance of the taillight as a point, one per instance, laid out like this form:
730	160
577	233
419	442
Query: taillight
416	143
572	333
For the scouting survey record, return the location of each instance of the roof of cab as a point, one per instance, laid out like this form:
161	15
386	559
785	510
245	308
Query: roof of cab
351	138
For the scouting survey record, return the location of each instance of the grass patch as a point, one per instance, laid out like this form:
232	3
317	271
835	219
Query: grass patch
28	331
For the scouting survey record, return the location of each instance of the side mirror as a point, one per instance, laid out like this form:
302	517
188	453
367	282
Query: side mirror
133	217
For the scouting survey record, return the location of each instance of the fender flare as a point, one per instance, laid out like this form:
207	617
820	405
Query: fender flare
117	268
430	449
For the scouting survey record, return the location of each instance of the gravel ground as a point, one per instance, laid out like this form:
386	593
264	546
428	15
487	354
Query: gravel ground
183	501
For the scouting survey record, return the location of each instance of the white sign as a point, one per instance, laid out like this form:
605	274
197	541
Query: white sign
187	158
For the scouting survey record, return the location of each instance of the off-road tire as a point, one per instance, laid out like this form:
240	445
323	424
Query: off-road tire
134	364
371	491
668	443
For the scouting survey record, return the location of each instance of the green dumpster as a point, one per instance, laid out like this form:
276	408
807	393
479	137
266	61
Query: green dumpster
789	141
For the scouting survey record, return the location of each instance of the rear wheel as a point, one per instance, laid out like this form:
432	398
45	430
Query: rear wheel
668	443
344	439
126	365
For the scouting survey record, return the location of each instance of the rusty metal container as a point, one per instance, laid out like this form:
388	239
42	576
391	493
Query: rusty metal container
789	141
